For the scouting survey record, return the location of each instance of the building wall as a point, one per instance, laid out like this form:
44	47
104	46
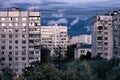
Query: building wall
78	52
81	39
54	37
102	37
15	36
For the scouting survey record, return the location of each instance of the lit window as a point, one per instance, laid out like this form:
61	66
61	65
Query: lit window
16	19
10	24
24	24
2	19
16	24
3	24
23	19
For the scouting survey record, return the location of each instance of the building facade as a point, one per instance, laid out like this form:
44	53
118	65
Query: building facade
54	38
85	39
82	50
105	36
19	39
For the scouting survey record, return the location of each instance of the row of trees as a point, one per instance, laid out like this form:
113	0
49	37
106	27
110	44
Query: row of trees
86	68
93	69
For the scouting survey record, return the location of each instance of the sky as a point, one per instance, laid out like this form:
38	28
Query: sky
76	14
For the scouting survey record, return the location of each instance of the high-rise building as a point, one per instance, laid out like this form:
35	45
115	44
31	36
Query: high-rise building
105	36
19	39
54	38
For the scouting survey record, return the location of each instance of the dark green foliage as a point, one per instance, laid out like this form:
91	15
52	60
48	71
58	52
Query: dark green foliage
45	55
7	74
70	52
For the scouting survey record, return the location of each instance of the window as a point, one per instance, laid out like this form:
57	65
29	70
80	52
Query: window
99	48
16	53
105	33
16	41
100	43
3	35
10	36
16	47
2	53
2	58
99	54
82	51
10	53
10	41
100	27
16	19
10	58
24	24
23	47
16	36
3	24
10	24
105	28
105	38
3	41
16	58
16	24
16	30
23	53
23	41
99	38
24	19
23	58
105	54
3	47
106	43
23	36
11	19
10	47
36	24
105	48
3	19
16	70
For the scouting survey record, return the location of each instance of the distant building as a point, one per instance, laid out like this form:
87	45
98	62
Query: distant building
54	38
82	50
81	39
19	39
106	35
69	41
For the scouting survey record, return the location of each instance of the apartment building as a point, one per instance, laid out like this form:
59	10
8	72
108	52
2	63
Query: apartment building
19	39
105	35
85	39
54	38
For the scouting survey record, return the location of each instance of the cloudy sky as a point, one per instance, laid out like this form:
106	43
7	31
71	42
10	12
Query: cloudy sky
76	14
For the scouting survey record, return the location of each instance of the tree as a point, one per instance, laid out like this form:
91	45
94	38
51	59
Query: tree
114	73
70	52
45	55
7	74
42	72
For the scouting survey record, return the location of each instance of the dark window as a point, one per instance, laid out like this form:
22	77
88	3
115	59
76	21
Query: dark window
23	58
3	35
105	38
10	36
16	41
100	27
99	38
10	47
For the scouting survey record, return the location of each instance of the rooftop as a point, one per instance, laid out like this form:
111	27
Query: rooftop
86	46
